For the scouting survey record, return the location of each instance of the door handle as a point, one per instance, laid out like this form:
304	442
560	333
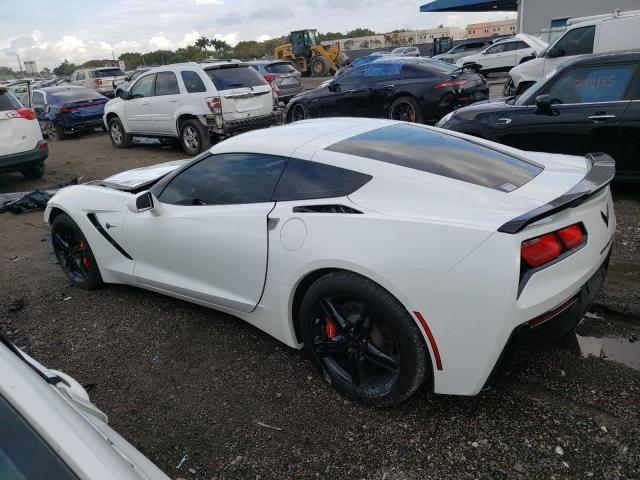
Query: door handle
173	100
350	91
503	121
144	103
601	117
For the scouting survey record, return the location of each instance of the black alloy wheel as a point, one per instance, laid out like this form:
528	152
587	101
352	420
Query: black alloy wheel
298	112
74	254
363	340
405	109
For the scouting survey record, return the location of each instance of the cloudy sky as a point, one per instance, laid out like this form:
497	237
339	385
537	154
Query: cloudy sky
49	31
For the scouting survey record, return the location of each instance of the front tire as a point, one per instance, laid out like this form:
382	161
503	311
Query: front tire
363	340
193	137
119	137
319	67
74	253
405	109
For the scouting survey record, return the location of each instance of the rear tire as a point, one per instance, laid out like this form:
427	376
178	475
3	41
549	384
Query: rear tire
319	67
74	254
297	112
34	171
405	109
194	138
119	137
54	132
371	350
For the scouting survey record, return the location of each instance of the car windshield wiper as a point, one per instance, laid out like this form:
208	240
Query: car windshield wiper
53	379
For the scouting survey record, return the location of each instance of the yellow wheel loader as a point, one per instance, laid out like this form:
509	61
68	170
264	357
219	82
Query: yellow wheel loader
309	56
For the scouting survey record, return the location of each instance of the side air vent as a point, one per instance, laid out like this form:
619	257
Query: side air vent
92	218
326	209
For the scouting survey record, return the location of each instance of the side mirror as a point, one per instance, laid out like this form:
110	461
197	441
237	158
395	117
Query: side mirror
555	52
333	86
123	94
543	102
144	201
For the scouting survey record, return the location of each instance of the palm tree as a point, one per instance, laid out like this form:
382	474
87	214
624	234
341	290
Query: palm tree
202	43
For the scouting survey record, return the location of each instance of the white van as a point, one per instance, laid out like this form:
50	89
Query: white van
597	34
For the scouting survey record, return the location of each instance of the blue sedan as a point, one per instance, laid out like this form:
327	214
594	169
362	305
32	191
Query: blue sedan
62	110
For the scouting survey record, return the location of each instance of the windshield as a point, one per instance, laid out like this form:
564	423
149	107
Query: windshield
532	91
71	94
280	68
235	77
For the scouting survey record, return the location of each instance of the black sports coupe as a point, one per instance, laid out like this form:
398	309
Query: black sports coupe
410	89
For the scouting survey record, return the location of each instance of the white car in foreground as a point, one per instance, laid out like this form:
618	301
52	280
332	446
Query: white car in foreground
49	429
395	253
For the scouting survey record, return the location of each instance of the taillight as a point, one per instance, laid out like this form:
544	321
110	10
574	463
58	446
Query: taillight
546	248
571	236
540	250
214	104
269	78
67	109
451	84
25	113
98	81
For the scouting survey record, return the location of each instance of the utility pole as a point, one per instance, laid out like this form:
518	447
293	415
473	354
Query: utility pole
19	64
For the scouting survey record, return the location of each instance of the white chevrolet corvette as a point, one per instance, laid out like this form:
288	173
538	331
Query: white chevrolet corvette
393	253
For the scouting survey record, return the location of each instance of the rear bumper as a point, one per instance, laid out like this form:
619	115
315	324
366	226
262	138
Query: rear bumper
77	126
552	325
19	161
246	124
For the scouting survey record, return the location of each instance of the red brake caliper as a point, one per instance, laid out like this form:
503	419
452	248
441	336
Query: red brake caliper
330	329
85	259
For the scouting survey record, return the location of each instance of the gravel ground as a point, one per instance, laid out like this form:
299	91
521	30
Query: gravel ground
177	379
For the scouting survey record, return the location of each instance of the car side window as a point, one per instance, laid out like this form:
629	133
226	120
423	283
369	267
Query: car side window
351	78
24	455
166	84
38	99
382	71
605	83
192	81
501	47
143	87
226	179
80	75
578	41
520	45
305	180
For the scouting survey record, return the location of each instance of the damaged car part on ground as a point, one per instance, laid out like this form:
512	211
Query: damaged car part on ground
376	332
20	202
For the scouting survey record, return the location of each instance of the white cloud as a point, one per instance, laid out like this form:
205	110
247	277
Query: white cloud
207	2
263	38
230	38
191	37
160	42
69	43
36	35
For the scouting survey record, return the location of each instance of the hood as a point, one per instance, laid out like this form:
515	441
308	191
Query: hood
536	43
139	177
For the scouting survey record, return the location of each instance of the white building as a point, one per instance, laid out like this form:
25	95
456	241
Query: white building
409	37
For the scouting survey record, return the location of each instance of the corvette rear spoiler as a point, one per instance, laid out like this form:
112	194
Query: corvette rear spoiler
600	174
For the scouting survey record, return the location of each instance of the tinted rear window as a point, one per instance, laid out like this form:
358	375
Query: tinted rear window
235	77
70	94
280	68
441	154
107	72
8	101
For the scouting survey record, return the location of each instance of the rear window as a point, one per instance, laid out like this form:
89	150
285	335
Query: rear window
235	77
441	154
8	101
107	72
280	68
69	94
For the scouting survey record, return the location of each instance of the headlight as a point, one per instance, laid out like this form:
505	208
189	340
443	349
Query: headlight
444	120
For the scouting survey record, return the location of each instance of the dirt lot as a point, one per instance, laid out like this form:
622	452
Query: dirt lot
180	380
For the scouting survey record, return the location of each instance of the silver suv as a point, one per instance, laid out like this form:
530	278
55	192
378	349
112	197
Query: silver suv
99	79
